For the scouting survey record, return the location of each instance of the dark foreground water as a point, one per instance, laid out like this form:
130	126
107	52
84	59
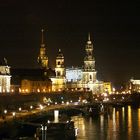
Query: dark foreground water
120	124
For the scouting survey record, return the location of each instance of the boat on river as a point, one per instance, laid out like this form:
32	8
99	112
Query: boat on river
57	130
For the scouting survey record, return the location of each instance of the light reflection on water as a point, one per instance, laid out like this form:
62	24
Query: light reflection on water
119	124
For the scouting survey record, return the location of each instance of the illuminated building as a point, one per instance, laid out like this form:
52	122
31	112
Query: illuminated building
5	78
75	78
42	58
89	73
59	81
73	74
84	78
134	85
35	86
29	81
107	87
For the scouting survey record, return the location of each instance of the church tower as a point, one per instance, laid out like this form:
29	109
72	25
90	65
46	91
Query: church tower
59	81
89	73
59	69
42	58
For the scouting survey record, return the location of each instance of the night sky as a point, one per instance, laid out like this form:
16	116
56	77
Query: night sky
114	28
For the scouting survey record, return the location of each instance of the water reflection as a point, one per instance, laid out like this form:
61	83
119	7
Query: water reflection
129	122
139	118
119	124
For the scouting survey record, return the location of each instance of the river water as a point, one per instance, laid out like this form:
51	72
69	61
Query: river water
119	124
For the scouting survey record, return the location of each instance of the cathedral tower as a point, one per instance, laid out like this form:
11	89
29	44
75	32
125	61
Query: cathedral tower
89	73
42	58
58	82
60	65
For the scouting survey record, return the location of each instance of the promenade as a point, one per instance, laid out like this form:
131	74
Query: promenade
10	116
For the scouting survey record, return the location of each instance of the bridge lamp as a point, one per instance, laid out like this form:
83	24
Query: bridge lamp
62	102
14	114
5	111
19	109
67	103
31	107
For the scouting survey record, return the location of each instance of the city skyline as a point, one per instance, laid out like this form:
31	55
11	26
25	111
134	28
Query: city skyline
114	29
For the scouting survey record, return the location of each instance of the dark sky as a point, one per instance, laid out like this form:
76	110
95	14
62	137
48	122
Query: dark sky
114	27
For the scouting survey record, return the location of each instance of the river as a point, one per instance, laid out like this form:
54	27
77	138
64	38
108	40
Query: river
120	124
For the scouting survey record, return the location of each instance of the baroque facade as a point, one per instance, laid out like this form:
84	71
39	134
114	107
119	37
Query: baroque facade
84	78
5	78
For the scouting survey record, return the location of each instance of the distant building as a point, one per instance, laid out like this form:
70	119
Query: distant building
74	78
35	86
73	74
133	85
107	87
30	80
59	81
5	77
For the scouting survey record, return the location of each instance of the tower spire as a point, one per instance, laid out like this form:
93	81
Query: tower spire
42	58
89	36
42	38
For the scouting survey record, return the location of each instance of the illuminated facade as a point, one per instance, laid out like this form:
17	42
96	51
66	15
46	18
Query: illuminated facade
89	73
85	78
134	85
35	86
5	78
75	78
107	87
74	74
42	58
59	81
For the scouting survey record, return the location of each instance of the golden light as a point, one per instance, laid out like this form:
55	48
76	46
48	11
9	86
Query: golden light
59	89
62	102
26	90
67	103
56	115
12	90
19	109
5	111
14	114
31	107
41	107
19	90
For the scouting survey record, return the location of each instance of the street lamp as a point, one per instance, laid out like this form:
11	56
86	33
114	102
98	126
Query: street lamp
19	109
14	114
31	107
5	111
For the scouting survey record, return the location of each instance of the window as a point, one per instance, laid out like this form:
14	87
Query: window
58	62
90	77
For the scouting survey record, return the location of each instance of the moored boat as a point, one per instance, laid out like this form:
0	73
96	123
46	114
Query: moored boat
57	130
